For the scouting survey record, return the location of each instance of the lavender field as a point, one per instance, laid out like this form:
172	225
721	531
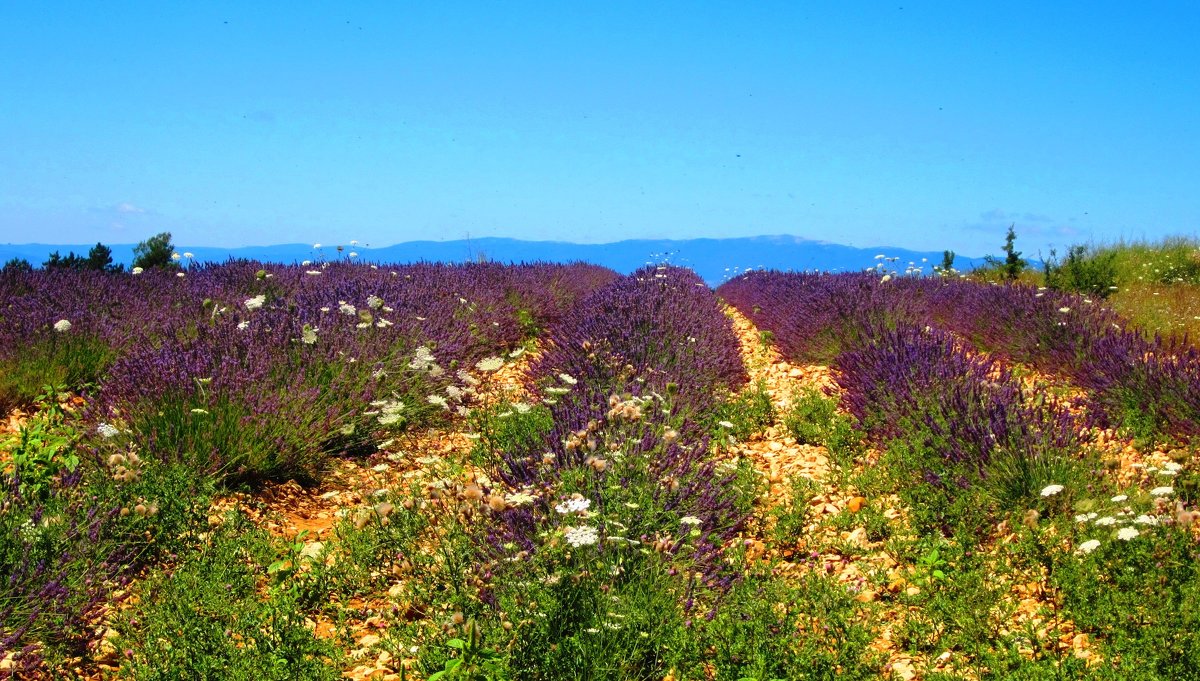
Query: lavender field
547	471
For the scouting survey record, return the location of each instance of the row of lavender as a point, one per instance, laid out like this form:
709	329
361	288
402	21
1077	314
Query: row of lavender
253	372
948	416
628	375
1150	386
240	370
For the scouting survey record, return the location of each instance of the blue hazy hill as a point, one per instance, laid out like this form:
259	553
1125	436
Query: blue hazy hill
713	259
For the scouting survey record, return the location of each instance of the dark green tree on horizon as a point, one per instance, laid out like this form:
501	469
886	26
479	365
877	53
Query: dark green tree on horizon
1014	264
154	252
99	258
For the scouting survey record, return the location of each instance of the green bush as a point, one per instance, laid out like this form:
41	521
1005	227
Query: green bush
206	618
1093	273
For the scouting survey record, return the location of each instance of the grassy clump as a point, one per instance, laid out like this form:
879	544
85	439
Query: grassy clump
814	420
745	414
208	617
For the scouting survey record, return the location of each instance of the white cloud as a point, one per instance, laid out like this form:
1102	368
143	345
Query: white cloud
127	207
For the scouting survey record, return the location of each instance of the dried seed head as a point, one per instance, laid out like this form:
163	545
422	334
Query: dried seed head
383	509
496	503
116	460
597	463
1031	518
473	493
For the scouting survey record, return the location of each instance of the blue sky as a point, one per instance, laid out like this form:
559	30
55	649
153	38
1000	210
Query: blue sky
925	125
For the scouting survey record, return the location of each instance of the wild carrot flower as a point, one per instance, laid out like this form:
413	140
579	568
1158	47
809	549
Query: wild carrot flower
1119	498
489	364
374	302
346	308
568	379
255	302
1051	490
689	520
1089	546
573	506
1107	520
520	499
136	270
1127	533
107	430
581	536
62	326
1162	491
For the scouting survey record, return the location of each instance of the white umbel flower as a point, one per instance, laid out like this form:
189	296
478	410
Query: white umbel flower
582	536
62	326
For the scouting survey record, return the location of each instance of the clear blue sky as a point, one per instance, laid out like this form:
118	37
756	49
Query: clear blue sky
926	125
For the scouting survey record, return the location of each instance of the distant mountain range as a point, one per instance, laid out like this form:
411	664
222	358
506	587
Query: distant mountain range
715	260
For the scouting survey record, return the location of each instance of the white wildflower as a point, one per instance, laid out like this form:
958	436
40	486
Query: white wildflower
346	308
1089	546
176	257
309	335
243	325
255	302
1051	490
1145	519
689	520
189	256
1162	491
62	326
1064	310
1127	533
438	400
725	424
313	272
489	364
521	407
520	499
573	506
136	270
1119	498
374	302
1106	520
568	379
1173	467
581	536
107	430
